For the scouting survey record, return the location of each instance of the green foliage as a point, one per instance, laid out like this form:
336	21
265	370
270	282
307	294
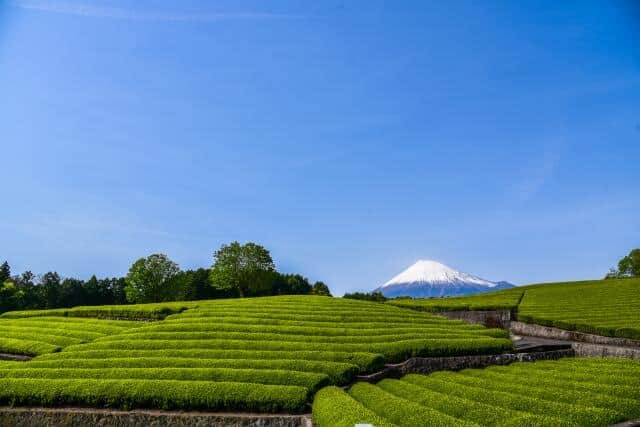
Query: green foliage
149	278
568	392
300	343
244	269
163	394
35	336
629	266
506	299
5	272
151	311
332	407
373	296
320	288
602	307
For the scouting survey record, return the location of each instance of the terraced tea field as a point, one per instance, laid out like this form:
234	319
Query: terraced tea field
610	308
40	335
507	299
569	392
256	354
603	307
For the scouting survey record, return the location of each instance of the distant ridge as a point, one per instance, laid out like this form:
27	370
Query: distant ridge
427	278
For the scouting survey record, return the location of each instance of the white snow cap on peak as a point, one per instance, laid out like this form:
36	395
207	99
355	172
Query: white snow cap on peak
429	271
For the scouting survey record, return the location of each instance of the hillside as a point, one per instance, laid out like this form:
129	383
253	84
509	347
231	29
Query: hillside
256	354
605	307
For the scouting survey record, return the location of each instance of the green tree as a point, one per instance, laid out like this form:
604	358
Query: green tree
242	269
50	289
5	272
148	278
629	266
320	288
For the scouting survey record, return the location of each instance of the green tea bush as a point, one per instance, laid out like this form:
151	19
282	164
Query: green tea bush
32	337
566	392
332	407
163	394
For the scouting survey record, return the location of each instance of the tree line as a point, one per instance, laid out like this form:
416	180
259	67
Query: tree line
238	270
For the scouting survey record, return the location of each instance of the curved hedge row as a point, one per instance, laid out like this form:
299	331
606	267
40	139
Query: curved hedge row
162	394
34	336
568	392
153	311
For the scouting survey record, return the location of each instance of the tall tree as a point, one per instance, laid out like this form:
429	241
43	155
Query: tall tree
148	279
5	272
243	269
50	289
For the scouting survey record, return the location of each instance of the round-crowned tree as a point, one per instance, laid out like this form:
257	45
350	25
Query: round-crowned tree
149	279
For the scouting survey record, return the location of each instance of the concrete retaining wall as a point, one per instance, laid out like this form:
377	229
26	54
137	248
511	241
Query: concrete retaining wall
426	365
69	417
489	318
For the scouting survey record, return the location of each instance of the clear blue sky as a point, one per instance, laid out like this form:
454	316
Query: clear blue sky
350	138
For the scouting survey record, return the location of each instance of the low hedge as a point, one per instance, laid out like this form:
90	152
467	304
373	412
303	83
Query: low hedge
309	380
26	347
338	373
367	362
382	337
581	415
400	411
163	394
396	351
155	311
332	407
464	409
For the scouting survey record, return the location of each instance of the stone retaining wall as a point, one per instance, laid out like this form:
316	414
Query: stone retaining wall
70	417
427	365
489	318
16	357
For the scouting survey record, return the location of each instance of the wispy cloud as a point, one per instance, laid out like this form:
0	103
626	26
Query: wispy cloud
539	172
93	11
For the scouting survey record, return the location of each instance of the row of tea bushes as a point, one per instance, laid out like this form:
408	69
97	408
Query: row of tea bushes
298	343
40	335
572	392
152	311
507	299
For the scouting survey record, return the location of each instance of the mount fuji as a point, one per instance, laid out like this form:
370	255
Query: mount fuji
428	278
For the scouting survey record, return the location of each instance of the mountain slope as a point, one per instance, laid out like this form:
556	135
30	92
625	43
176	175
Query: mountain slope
428	278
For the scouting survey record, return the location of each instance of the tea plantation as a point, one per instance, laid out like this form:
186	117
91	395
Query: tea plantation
569	392
604	307
40	335
257	354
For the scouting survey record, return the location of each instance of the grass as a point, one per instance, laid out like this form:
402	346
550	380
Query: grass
569	392
602	307
257	354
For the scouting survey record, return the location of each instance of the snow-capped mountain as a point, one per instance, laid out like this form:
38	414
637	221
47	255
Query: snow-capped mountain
428	278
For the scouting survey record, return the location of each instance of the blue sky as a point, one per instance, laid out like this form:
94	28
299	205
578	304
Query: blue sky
350	138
